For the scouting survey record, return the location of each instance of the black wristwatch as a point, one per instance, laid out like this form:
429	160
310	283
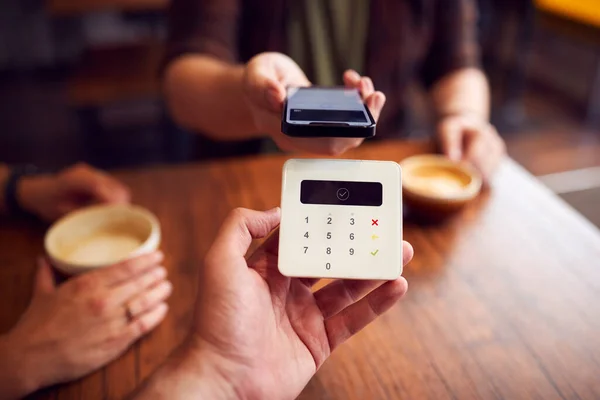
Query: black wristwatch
13	206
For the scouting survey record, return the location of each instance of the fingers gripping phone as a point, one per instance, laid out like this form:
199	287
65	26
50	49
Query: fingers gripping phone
326	112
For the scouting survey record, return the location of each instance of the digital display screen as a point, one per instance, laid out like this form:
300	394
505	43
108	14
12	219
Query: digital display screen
317	104
341	193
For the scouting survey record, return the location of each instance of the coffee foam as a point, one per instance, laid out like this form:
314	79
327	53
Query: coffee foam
103	248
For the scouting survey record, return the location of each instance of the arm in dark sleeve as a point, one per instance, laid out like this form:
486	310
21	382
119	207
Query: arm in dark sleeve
4	173
455	43
207	27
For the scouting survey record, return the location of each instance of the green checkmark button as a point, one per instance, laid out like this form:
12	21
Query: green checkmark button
374	253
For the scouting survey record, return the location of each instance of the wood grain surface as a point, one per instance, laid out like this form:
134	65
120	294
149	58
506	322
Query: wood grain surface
503	300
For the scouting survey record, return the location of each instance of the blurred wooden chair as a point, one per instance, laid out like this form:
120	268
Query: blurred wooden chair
78	7
579	19
506	34
107	75
118	72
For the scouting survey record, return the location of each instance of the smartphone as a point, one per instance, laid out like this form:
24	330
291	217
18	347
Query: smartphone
326	112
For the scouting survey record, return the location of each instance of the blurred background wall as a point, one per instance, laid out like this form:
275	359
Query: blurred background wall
78	82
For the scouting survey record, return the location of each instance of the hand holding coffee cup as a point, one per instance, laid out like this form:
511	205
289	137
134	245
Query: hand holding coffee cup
469	137
434	186
98	236
70	330
117	292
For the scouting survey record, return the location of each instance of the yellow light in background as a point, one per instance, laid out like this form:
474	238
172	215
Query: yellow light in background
587	11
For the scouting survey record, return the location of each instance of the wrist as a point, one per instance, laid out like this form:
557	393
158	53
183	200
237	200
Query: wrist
4	174
192	371
240	76
19	369
30	190
19	199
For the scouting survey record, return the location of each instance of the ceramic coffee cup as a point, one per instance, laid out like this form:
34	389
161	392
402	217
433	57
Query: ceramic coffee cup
435	186
98	236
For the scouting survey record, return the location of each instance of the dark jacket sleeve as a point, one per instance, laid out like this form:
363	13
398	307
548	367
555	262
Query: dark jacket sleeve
455	40
203	27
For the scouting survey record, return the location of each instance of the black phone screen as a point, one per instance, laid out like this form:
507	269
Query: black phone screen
326	105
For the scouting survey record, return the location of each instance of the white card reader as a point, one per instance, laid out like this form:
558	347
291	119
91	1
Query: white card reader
341	219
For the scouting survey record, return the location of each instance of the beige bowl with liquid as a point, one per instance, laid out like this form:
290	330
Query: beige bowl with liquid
436	186
99	236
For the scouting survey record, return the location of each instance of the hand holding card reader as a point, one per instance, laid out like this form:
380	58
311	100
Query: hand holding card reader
326	112
341	219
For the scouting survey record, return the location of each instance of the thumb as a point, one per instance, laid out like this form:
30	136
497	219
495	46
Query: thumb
264	88
44	279
450	134
275	95
375	102
267	77
238	231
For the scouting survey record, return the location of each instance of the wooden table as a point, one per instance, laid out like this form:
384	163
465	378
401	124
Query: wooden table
503	300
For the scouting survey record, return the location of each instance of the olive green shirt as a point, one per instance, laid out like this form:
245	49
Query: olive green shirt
327	37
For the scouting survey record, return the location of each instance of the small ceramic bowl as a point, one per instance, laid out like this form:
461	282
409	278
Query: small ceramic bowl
433	185
99	236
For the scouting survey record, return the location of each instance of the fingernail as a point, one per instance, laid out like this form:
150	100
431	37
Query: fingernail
161	272
163	307
273	92
273	98
454	155
167	286
274	210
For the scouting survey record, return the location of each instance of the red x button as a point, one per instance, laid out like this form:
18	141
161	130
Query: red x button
374	222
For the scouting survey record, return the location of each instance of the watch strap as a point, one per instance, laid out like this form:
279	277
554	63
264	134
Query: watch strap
11	198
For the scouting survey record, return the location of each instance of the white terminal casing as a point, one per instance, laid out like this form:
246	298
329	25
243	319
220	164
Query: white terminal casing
341	219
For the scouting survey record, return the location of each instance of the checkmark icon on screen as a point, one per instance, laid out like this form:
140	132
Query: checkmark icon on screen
374	253
343	194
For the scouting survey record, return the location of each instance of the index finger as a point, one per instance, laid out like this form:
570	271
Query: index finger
451	139
113	191
98	184
126	270
477	153
351	78
355	317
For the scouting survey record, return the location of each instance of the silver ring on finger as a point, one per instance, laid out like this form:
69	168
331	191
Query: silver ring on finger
128	313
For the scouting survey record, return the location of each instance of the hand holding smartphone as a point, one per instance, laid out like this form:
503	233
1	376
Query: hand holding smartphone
326	112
